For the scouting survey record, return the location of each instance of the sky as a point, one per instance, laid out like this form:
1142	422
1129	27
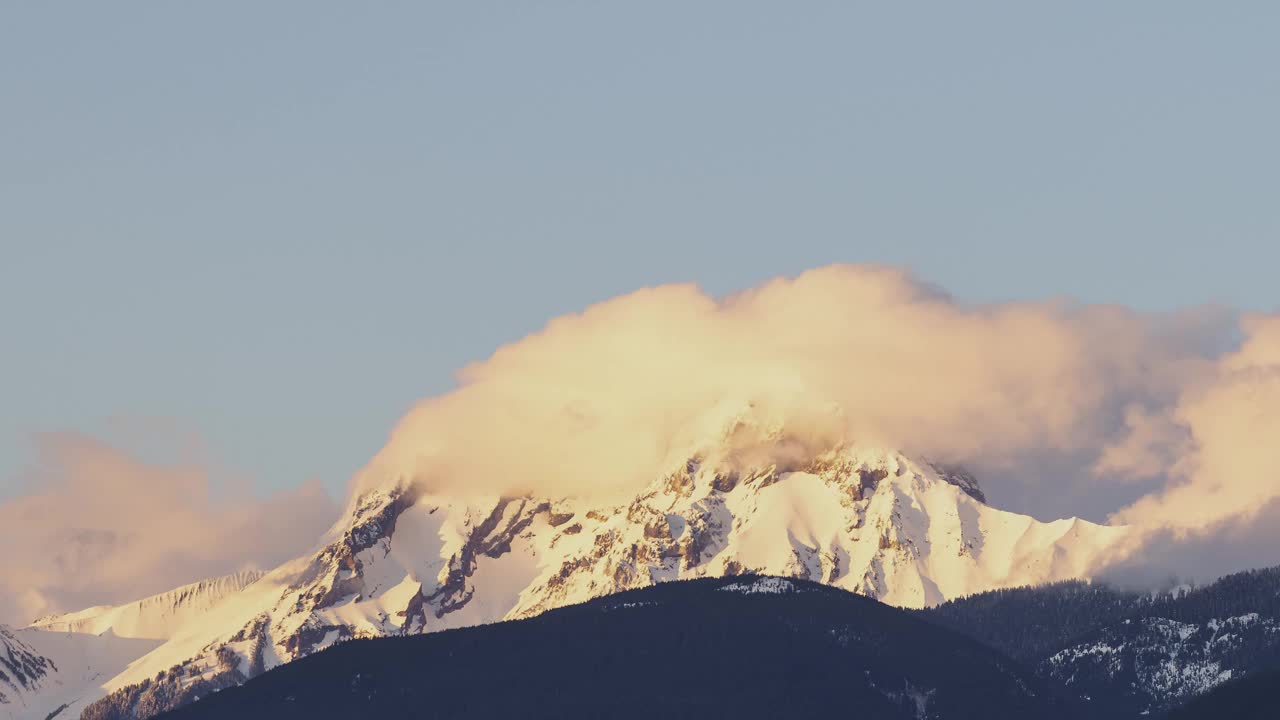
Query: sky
251	236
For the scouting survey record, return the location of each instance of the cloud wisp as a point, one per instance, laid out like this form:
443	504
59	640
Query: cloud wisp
604	399
104	527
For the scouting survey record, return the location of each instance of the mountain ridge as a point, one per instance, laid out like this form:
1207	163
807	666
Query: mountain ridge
154	617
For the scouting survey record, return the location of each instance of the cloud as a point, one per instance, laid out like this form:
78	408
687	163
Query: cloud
103	527
1165	556
605	400
1152	443
1228	466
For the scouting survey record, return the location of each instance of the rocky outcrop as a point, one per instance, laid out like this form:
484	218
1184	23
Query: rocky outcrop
335	572
22	669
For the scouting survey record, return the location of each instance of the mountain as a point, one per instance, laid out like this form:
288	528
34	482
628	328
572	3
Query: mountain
1135	652
61	661
405	561
745	647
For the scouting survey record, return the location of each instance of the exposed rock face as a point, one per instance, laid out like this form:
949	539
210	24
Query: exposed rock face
335	572
962	479
406	562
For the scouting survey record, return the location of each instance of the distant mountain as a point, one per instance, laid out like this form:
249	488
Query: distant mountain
60	662
404	562
745	647
1132	652
157	617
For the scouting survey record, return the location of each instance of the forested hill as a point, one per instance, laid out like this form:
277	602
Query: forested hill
747	647
1134	652
1031	622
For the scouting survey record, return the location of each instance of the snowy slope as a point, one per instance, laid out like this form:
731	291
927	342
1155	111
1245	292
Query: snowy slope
44	671
874	522
63	660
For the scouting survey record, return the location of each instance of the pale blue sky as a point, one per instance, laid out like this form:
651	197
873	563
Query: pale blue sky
275	225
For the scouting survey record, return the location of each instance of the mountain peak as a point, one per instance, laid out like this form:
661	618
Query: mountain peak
858	469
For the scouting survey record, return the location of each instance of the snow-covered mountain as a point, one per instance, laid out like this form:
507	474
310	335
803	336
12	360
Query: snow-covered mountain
404	561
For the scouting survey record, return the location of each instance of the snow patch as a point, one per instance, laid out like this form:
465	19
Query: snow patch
765	586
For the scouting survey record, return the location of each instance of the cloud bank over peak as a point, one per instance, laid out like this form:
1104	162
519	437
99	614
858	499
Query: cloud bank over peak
604	400
1166	422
